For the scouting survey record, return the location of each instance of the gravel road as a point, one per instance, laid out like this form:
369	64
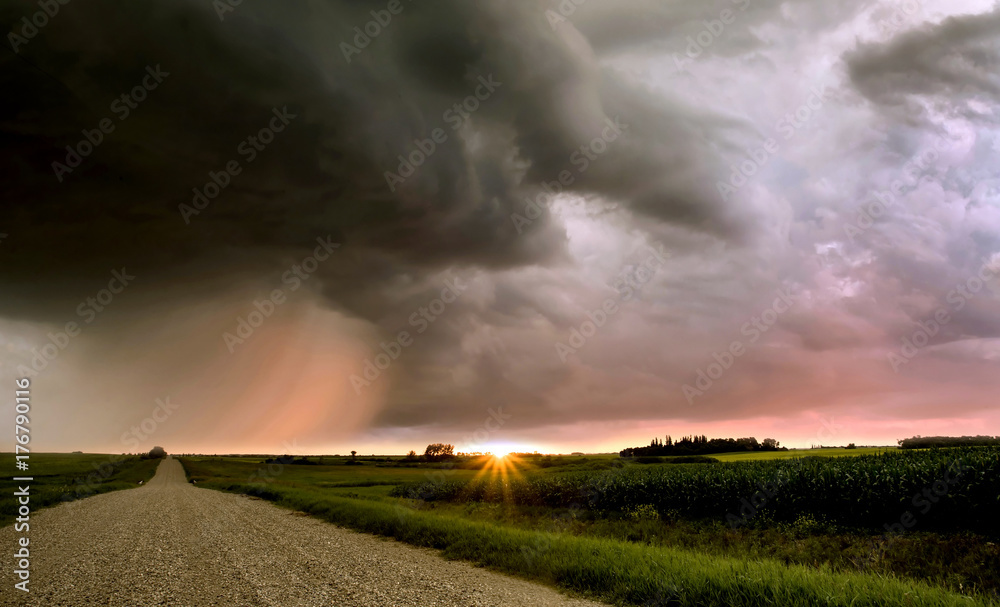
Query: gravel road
171	543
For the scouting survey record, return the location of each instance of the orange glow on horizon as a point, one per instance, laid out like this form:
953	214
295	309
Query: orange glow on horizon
502	464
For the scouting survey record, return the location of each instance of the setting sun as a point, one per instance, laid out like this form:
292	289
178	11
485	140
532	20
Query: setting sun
503	450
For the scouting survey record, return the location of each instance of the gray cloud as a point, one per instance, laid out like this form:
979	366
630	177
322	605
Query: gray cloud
326	173
531	283
947	64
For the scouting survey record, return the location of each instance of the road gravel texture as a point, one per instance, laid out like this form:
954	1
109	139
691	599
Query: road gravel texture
169	543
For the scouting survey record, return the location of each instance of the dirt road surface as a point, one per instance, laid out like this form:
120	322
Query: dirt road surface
170	543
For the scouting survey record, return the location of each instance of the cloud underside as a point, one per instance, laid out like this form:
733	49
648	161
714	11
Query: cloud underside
539	161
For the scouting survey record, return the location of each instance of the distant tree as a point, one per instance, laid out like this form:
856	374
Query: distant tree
412	455
927	442
700	445
439	451
156	453
851	446
353	454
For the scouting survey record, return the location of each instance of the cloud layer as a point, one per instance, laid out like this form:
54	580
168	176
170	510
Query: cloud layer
687	163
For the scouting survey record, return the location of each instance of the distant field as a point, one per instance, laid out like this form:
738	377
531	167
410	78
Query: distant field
332	475
833	452
621	530
62	477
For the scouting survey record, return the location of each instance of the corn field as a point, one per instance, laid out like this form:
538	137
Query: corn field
940	489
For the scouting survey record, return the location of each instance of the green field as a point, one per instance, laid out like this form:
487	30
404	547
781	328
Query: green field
792	453
60	477
656	534
863	492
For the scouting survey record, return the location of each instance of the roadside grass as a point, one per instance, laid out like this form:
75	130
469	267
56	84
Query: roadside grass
634	559
61	477
612	570
958	562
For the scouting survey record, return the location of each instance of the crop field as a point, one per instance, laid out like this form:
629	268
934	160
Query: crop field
60	477
865	491
795	453
895	527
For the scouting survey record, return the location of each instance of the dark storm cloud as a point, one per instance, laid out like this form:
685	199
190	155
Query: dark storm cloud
552	98
325	173
950	63
627	24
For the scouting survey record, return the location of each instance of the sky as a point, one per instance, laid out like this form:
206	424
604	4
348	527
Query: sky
336	226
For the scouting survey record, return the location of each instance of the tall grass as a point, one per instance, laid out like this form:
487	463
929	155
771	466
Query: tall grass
615	571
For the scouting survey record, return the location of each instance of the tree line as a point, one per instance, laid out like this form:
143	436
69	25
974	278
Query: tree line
436	452
701	445
926	442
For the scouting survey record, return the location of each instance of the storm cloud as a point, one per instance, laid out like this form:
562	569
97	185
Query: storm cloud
542	161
